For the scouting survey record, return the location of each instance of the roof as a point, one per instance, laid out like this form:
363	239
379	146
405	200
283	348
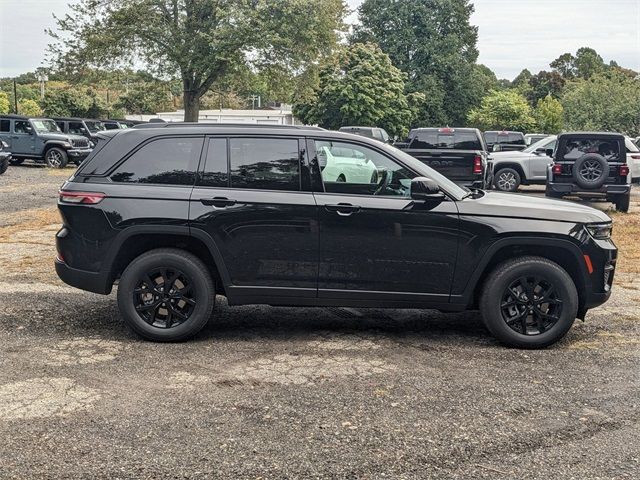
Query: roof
206	126
23	117
70	119
586	134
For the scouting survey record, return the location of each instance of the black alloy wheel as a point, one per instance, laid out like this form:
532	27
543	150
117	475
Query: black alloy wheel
531	305
164	298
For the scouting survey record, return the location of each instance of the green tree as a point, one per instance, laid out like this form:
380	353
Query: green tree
503	110
145	98
549	115
73	102
545	83
29	108
433	42
360	86
200	41
584	64
608	101
4	103
522	80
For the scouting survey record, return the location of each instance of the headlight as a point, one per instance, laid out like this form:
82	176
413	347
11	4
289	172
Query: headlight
67	145
600	231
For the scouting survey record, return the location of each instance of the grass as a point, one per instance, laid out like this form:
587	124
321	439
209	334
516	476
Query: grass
626	235
34	219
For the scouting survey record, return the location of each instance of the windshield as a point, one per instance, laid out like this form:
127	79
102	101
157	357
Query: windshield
450	187
45	126
94	126
540	143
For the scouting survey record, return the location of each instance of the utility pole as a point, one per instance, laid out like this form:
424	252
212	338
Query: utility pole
15	96
42	78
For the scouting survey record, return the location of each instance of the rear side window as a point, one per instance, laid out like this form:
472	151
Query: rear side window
171	161
216	169
576	148
455	141
265	163
5	125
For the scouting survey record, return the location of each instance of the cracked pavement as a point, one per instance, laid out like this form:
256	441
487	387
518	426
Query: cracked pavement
268	392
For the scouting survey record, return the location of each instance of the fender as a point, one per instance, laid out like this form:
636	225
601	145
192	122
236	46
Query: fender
467	296
54	143
184	230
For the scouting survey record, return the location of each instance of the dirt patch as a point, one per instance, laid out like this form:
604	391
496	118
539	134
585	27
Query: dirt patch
78	351
626	235
44	397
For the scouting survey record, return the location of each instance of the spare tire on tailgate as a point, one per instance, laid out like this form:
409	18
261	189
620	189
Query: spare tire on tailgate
590	171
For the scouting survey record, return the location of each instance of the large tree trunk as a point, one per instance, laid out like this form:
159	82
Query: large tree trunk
191	99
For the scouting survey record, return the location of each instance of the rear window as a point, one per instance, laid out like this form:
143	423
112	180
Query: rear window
576	148
511	138
438	140
171	161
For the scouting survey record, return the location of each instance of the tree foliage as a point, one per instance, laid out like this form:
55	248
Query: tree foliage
543	84
4	103
433	42
549	115
145	98
584	64
503	110
74	102
607	101
200	41
360	86
29	107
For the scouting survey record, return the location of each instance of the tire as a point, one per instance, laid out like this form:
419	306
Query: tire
16	161
4	164
622	202
56	157
590	171
507	180
503	312
154	267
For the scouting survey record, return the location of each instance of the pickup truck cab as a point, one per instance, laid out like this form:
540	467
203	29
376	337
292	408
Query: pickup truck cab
504	141
369	132
460	154
528	167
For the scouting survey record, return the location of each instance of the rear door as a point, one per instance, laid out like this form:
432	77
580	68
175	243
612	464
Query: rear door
375	242
23	138
252	201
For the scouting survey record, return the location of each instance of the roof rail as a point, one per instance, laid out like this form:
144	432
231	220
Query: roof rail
224	125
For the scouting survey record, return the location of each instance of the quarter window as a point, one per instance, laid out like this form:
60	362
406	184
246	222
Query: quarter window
216	169
356	170
4	125
269	164
171	161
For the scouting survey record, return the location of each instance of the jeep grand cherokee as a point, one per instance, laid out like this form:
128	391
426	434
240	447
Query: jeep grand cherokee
179	213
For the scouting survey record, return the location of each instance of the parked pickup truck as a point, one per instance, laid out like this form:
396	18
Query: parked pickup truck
460	154
504	141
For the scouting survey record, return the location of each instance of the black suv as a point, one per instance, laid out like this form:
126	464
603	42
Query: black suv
591	165
180	212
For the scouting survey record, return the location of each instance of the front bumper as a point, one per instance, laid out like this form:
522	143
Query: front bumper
79	152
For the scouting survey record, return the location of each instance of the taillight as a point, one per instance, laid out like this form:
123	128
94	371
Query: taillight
446	130
624	170
477	164
86	198
556	168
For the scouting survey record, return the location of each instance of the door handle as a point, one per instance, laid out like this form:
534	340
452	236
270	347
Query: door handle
219	202
343	209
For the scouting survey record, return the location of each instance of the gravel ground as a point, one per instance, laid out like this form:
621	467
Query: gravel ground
269	392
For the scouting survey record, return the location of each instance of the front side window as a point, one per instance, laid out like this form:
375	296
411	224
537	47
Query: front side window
45	126
76	128
576	148
357	170
171	161
265	163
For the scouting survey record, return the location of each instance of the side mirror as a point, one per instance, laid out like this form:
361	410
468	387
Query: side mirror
549	152
423	188
541	151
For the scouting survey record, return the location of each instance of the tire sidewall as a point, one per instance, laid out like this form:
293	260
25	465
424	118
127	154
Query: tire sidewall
63	161
202	287
492	298
584	183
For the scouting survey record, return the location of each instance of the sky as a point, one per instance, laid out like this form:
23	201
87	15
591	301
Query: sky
513	34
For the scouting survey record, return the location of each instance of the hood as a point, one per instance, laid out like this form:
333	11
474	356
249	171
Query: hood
497	204
63	137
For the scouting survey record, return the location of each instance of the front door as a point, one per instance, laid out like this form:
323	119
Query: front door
374	239
250	201
538	162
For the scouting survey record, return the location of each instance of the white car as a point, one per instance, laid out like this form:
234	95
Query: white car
346	165
633	159
529	166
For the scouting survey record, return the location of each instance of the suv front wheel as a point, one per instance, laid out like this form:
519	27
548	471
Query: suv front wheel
166	295
529	302
507	180
56	157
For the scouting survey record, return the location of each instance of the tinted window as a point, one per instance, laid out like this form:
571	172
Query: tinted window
576	148
358	170
269	164
76	127
22	126
4	125
216	170
60	126
165	161
439	140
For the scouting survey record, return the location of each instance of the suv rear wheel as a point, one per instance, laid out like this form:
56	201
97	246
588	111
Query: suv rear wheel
56	157
529	302
166	295
507	180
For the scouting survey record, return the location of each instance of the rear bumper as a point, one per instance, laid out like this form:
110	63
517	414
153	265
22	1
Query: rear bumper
94	282
571	188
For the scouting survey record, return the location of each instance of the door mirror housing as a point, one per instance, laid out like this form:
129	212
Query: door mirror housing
549	152
423	188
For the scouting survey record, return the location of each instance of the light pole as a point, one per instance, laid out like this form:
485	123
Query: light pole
42	78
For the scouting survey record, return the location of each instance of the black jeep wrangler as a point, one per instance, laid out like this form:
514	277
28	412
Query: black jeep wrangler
591	165
178	213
